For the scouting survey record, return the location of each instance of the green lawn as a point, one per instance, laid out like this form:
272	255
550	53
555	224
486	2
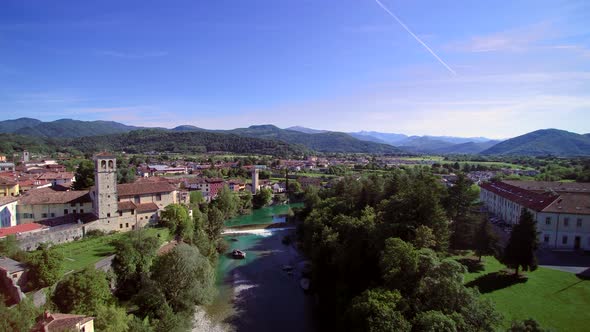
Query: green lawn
86	252
557	300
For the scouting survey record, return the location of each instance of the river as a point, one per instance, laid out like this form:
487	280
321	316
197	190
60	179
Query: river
256	293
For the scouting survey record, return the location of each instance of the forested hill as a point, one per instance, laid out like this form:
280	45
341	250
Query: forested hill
152	140
323	142
74	128
542	143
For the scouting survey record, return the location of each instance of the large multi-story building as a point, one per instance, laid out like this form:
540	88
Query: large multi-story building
561	210
107	206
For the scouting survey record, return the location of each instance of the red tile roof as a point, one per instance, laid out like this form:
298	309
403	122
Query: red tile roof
141	188
60	322
55	176
570	203
523	197
7	200
147	207
19	229
126	205
104	154
51	196
6	181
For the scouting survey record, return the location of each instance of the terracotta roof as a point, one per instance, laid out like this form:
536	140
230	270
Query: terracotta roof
55	176
104	154
147	207
523	197
6	181
570	203
7	200
60	322
51	196
542	186
141	188
126	205
19	229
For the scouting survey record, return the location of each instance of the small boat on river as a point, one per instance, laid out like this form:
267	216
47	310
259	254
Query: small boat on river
238	254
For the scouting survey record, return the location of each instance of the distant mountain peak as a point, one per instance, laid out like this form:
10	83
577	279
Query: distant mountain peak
306	130
543	142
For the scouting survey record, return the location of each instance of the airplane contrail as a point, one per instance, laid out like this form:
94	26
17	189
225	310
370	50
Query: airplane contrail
416	37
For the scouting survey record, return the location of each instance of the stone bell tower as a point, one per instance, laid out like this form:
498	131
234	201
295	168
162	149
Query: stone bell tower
105	185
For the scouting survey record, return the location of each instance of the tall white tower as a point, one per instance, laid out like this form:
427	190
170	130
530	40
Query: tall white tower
105	184
254	180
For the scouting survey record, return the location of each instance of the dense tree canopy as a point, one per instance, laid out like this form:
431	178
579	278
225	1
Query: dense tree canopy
83	292
185	276
134	256
46	265
377	246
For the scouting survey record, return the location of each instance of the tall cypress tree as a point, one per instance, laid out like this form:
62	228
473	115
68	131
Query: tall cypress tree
485	240
520	250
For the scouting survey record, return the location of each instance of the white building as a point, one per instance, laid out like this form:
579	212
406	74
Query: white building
562	211
8	211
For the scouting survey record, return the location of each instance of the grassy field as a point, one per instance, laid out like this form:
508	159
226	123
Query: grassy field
86	252
557	300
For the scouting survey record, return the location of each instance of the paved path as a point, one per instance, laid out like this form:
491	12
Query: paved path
105	263
567	261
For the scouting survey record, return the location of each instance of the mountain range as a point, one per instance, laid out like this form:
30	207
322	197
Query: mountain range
89	135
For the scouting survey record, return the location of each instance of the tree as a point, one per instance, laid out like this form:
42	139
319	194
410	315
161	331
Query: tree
134	255
21	317
486	241
84	175
214	224
111	318
139	325
227	202
82	292
521	247
176	218
245	202
377	310
45	265
434	321
9	247
196	197
185	276
458	202
527	325
262	198
424	237
399	264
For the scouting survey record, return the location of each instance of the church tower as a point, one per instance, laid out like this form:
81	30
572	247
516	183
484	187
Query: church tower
105	185
255	183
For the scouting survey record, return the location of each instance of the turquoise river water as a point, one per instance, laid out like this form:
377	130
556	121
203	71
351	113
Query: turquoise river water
257	293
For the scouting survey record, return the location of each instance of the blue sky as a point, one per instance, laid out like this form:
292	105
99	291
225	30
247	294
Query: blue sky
339	65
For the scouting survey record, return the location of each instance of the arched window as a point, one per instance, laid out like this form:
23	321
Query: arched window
110	164
103	164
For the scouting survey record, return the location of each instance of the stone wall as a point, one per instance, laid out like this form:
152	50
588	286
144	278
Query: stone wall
59	234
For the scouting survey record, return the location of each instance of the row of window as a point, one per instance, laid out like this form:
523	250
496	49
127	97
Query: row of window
49	215
564	239
566	222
